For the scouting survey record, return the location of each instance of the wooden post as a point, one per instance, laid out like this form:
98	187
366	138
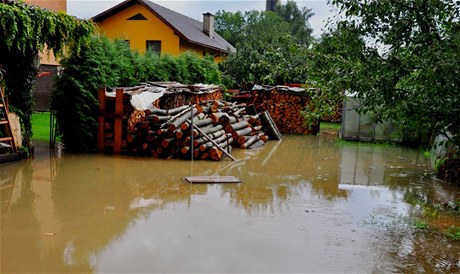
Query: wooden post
118	121
101	119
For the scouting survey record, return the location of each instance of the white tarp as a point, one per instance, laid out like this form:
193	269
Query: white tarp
143	100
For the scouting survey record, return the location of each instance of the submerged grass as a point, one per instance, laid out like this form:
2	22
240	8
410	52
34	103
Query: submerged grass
454	233
419	224
330	125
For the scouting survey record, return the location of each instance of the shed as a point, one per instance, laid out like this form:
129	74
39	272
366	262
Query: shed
361	127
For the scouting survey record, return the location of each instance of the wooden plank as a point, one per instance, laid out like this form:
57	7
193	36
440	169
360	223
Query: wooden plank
212	179
118	121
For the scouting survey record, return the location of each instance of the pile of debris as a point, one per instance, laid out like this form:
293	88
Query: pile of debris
205	130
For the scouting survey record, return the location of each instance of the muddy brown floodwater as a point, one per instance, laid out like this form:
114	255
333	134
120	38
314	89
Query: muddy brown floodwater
306	204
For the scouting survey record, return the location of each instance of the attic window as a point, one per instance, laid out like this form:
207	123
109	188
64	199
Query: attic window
137	17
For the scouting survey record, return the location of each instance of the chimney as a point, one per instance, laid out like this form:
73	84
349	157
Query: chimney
271	4
208	24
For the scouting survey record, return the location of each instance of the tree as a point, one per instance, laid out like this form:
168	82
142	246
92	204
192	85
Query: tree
333	59
24	31
268	54
270	49
230	25
298	19
410	64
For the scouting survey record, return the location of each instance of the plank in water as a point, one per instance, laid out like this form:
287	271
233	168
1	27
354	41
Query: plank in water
212	179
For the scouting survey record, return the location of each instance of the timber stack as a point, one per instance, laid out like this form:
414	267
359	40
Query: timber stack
215	126
284	105
185	126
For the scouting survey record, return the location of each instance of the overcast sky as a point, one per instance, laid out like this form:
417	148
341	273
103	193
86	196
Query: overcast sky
195	8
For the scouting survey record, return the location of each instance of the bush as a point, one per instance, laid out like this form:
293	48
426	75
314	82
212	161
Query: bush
112	63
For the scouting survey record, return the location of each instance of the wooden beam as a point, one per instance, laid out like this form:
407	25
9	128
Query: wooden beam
212	179
118	121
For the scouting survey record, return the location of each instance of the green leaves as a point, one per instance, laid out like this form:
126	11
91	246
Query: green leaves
27	28
24	31
272	47
111	63
411	75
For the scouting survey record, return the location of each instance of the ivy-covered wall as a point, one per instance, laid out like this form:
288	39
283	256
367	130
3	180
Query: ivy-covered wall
24	31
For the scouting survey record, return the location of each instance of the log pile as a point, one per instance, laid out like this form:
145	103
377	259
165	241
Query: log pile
216	128
171	120
284	105
172	94
121	108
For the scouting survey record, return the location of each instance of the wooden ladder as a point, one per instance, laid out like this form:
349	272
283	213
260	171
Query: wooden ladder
5	125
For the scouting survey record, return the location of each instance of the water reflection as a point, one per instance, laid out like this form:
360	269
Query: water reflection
305	204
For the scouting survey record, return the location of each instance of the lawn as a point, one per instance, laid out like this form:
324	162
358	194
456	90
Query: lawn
41	126
329	125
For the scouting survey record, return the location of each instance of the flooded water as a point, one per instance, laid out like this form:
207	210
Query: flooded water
306	204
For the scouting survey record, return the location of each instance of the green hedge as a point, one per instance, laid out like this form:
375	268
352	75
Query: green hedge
111	63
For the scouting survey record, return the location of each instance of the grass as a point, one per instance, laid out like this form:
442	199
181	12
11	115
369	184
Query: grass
41	126
454	233
329	125
419	224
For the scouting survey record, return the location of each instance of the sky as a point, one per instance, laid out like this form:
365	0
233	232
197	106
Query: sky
195	8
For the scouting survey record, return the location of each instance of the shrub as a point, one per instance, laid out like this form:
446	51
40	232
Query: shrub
111	63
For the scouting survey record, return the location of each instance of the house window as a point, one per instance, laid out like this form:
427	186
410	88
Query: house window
154	46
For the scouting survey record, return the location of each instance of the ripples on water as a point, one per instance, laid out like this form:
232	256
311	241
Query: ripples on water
306	204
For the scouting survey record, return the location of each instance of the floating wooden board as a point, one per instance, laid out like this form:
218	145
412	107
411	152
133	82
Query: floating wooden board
212	179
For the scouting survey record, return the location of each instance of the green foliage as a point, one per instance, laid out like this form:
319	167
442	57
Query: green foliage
272	47
152	68
230	25
101	62
111	63
267	53
298	19
19	74
331	63
454	233
319	106
419	224
236	27
448	169
24	31
408	68
27	28
194	69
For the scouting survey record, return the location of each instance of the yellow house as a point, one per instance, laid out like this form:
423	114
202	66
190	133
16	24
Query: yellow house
146	25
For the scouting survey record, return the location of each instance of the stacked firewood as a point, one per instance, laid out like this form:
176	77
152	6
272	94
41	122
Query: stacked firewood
179	94
285	105
206	130
173	94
